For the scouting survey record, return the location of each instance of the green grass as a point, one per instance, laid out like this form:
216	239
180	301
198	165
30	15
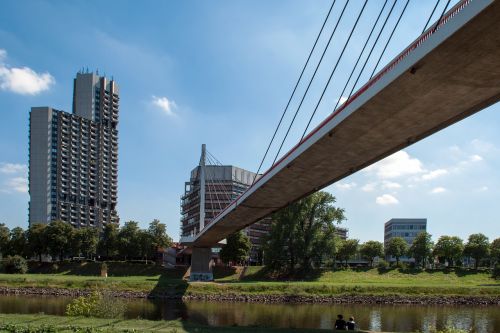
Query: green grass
150	278
71	324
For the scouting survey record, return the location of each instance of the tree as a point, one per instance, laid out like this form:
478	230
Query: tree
59	235
37	240
477	247
237	248
397	247
144	242
4	239
159	237
449	248
17	243
495	250
347	249
75	243
108	244
88	239
371	249
128	240
302	233
421	248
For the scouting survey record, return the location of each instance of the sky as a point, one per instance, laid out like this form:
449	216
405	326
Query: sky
220	73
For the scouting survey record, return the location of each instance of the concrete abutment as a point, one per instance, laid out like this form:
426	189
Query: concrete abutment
201	264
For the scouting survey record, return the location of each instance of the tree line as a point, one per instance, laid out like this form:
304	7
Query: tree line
61	240
448	249
303	237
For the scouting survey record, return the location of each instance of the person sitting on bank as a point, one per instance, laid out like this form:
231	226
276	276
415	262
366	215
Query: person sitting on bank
340	323
351	324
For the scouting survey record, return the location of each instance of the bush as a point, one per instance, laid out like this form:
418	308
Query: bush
496	272
15	265
97	304
401	265
382	264
21	328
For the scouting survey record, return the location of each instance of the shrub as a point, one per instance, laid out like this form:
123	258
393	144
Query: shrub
496	272
15	265
382	264
401	265
97	304
21	328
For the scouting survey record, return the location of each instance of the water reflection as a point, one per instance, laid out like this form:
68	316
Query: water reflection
398	318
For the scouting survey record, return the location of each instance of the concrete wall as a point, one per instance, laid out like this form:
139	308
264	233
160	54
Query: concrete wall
40	121
84	95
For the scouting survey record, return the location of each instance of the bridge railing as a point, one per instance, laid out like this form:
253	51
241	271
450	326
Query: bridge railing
390	66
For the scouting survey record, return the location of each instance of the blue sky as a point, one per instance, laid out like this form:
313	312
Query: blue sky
220	73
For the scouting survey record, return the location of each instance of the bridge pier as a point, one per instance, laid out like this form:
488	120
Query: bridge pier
201	264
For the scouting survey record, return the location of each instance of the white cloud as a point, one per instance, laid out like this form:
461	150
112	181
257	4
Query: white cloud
482	189
386	199
396	165
369	187
342	100
18	184
390	185
434	174
23	80
12	168
346	186
483	146
475	158
166	105
437	190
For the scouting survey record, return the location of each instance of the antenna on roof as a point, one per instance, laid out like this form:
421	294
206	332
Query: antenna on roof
97	71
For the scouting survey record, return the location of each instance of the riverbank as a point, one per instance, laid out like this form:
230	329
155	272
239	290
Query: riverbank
269	297
368	286
46	323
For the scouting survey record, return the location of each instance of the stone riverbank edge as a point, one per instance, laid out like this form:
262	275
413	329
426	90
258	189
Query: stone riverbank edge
299	299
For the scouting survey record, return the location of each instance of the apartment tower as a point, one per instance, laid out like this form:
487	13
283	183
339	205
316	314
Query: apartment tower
73	157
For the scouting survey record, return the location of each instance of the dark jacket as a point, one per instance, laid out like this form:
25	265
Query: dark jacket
340	324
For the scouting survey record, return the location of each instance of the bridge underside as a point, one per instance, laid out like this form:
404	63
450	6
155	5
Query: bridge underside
452	75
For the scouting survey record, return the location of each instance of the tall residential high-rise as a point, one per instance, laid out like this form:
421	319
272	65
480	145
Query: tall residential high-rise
73	164
406	228
222	184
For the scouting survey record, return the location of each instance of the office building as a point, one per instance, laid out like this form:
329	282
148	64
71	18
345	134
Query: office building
222	184
73	164
405	228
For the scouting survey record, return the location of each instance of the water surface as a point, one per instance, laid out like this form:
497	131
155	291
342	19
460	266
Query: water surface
397	318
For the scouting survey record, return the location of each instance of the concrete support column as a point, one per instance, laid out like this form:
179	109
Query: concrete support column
201	264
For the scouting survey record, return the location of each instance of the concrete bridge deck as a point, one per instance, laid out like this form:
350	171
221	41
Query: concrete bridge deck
438	80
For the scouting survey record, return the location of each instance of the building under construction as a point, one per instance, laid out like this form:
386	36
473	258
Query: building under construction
211	188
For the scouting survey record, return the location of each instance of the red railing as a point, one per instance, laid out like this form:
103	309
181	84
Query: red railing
419	41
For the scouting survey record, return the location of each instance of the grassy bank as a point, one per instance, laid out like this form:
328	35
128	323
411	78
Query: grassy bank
149	278
45	323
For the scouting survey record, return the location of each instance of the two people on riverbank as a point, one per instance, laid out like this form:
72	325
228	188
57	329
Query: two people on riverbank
341	324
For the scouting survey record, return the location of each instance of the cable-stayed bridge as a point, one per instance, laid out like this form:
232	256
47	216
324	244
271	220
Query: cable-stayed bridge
451	71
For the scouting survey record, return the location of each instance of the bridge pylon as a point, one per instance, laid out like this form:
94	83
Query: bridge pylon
201	264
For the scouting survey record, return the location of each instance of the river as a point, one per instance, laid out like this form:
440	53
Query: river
400	318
